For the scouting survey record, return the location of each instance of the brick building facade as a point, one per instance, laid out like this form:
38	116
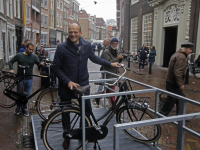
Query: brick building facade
162	23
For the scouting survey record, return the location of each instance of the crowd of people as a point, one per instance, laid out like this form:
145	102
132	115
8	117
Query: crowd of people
70	67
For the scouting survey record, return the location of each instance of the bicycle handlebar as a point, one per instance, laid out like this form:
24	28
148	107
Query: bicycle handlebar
122	66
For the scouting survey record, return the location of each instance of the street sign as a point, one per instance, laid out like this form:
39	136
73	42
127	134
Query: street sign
28	22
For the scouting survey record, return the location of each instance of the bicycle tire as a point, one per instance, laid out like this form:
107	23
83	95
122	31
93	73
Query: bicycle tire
197	73
6	82
53	132
44	101
143	134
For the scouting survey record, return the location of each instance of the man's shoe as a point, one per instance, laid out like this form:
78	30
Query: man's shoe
97	101
25	112
66	143
17	110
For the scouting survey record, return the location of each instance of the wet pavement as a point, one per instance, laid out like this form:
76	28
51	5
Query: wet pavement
13	128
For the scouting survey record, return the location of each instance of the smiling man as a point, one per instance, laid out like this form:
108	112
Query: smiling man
70	66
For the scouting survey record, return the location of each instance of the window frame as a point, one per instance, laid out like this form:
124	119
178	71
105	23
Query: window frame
134	34
58	4
46	2
61	20
147	33
57	20
134	1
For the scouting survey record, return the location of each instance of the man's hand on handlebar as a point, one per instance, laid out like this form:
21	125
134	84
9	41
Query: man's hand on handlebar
71	85
115	64
12	71
42	63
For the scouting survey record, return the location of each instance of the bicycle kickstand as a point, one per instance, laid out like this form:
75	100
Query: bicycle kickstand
96	144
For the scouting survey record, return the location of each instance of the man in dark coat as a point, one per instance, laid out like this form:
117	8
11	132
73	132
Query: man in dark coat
70	66
93	47
175	77
99	48
143	55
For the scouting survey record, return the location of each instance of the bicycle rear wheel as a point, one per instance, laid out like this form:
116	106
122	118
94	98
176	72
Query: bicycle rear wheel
145	134
53	132
8	82
197	73
44	101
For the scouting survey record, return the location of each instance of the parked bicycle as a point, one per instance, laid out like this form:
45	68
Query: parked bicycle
194	67
127	108
9	95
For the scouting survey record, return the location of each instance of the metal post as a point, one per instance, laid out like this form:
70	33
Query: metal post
115	138
104	91
180	132
187	76
128	61
83	123
149	67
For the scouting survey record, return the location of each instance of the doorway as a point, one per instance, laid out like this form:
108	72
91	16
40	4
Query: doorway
170	44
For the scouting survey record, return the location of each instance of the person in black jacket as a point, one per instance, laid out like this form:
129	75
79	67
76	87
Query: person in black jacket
70	66
99	48
143	55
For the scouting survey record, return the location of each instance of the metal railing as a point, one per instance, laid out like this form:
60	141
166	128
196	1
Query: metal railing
179	120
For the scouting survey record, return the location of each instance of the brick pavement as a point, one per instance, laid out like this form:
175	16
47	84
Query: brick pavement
13	128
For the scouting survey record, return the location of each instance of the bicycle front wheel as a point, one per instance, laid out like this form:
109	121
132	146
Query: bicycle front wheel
8	82
53	132
144	134
44	101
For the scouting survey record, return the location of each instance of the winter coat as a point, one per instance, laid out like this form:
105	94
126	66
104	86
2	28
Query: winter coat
71	65
152	55
177	68
143	55
22	49
108	55
93	46
99	47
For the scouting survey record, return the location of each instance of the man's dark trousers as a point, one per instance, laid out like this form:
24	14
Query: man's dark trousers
170	101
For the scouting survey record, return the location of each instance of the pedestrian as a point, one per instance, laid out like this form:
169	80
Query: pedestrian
57	42
23	46
70	67
106	44
25	59
93	47
143	55
197	62
99	48
111	54
152	55
175	77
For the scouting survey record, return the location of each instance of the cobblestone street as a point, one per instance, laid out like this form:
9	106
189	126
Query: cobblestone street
13	128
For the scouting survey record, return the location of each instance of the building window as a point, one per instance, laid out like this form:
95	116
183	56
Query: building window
42	3
147	29
61	6
43	39
42	21
58	6
67	15
18	9
57	19
52	20
134	34
1	8
46	18
46	4
28	11
28	35
60	20
11	9
7	7
64	13
52	3
134	1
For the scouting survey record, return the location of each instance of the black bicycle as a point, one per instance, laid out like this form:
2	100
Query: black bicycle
127	108
10	95
194	67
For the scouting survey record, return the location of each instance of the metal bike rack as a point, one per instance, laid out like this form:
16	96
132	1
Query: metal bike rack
177	120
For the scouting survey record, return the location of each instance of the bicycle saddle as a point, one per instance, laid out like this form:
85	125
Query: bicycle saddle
81	89
23	67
